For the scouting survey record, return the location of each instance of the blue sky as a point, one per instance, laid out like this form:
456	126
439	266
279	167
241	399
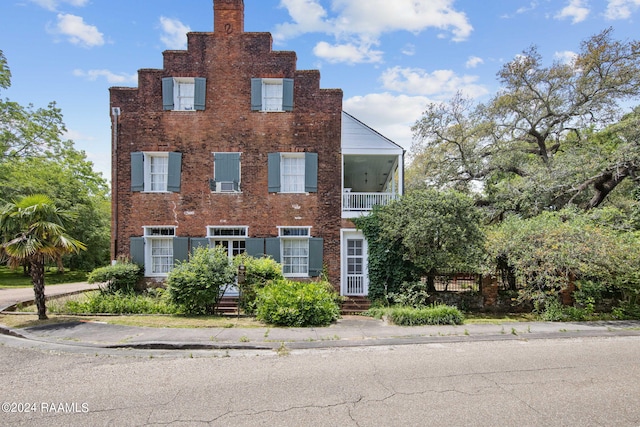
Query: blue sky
390	57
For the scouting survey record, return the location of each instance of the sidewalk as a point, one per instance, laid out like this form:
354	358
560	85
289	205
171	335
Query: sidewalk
350	331
10	297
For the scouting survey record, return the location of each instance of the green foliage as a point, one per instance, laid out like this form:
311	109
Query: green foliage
411	294
120	302
34	159
551	137
258	273
387	267
555	248
287	303
436	314
122	276
198	284
418	235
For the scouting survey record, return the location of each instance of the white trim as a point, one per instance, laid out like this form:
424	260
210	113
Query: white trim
351	234
210	234
306	236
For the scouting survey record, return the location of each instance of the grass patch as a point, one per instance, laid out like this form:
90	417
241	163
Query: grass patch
435	314
16	279
151	321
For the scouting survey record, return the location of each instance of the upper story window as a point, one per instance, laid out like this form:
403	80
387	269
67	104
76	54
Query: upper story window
183	93
272	95
156	172
293	172
226	173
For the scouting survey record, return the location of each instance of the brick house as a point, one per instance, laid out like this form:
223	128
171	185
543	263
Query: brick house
229	144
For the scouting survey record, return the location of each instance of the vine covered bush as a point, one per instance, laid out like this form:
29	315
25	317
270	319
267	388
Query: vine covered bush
288	303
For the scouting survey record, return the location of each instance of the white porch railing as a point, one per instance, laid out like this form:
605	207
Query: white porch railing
355	284
362	202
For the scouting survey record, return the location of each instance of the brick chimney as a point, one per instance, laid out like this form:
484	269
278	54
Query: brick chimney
228	16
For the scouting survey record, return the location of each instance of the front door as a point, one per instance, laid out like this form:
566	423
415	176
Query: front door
354	261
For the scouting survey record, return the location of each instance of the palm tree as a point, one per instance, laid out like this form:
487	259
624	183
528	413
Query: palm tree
32	231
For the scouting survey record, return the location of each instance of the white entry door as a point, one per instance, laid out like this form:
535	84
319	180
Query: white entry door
355	279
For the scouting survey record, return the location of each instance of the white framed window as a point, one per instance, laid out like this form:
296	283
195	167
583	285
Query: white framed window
159	254
272	92
231	238
184	93
294	247
292	173
156	172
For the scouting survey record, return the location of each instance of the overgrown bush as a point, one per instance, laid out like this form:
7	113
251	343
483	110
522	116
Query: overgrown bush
411	294
435	314
258	273
120	302
288	303
122	276
197	285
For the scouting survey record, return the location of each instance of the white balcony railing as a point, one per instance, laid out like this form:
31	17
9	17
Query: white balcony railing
364	202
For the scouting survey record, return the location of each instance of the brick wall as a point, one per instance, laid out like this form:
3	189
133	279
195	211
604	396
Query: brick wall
229	61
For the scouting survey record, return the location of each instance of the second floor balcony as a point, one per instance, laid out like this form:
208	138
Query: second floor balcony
372	168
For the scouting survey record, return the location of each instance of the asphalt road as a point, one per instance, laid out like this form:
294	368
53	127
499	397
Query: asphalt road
564	382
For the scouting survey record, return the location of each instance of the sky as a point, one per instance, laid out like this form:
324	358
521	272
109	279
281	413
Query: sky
390	57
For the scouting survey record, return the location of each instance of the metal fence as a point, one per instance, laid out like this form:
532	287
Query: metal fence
457	282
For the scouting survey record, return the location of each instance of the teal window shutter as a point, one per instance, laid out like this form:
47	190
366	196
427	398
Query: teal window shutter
200	93
274	172
167	93
256	94
181	248
311	172
287	94
272	248
136	250
137	171
175	172
254	247
199	242
315	257
227	167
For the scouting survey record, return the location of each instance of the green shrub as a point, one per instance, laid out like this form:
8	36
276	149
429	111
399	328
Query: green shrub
196	286
411	294
435	314
122	276
120	302
287	303
258	273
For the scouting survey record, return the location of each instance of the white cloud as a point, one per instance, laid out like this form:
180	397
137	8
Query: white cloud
175	33
576	10
409	50
77	31
440	84
566	57
474	61
111	77
392	116
362	23
52	5
621	9
349	53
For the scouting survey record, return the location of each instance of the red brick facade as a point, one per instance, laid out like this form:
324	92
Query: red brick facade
228	58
